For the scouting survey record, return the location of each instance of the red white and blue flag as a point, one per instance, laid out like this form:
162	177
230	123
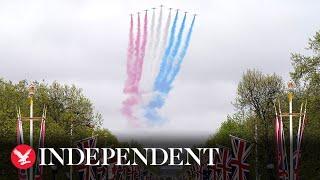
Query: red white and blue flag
102	172
241	150
22	174
39	169
112	169
87	172
297	153
137	172
213	169
281	155
198	172
223	164
121	173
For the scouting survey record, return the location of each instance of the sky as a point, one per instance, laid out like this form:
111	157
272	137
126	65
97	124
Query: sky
84	42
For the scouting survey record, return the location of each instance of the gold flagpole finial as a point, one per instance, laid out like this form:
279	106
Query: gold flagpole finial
290	90
32	90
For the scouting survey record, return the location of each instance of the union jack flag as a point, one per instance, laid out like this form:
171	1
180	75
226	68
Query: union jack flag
112	170
22	174
223	164
205	168
213	169
297	164
282	162
241	150
39	169
130	173
297	153
137	172
102	172
198	171
121	173
87	172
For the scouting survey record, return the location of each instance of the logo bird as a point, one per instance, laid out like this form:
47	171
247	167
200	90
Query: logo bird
22	157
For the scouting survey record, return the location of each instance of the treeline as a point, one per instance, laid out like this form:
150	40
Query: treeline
67	107
254	119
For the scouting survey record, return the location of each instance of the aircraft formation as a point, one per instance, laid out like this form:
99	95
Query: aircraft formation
161	6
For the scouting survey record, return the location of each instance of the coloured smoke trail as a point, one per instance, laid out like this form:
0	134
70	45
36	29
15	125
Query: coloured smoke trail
137	55
176	68
166	54
140	59
134	69
163	43
158	34
165	86
170	67
149	58
130	52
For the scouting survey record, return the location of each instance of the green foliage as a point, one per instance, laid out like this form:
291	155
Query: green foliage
257	91
255	96
236	125
307	67
306	74
66	105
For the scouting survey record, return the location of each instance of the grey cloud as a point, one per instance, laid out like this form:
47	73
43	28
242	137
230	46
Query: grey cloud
84	43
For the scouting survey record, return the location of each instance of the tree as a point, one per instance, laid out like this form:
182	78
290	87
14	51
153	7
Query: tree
254	100
306	72
65	105
256	93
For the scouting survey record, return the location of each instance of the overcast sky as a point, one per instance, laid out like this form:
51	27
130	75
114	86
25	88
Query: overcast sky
84	42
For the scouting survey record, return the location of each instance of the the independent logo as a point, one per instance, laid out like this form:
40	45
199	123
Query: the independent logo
23	156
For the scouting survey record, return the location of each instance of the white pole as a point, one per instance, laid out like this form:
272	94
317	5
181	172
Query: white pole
31	93
31	131
291	136
71	132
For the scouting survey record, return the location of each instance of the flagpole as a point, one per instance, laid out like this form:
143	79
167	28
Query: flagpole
290	97
31	94
71	132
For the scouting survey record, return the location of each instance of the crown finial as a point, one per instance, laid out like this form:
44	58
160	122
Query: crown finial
291	85
32	90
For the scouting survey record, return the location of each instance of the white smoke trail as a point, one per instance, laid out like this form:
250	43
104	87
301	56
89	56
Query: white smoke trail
147	66
159	43
162	47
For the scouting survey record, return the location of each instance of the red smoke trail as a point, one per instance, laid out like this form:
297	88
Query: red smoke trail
131	87
142	52
127	109
137	56
130	63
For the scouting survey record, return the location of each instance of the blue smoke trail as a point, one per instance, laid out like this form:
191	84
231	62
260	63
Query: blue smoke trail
159	98
182	54
164	86
152	109
163	65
